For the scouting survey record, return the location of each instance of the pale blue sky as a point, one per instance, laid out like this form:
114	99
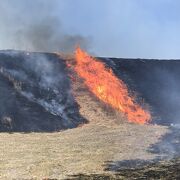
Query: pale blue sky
120	28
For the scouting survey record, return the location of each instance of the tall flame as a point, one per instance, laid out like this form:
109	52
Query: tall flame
108	88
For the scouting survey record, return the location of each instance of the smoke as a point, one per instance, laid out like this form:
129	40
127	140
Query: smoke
169	144
122	28
41	80
35	26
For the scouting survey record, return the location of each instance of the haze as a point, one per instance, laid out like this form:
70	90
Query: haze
118	28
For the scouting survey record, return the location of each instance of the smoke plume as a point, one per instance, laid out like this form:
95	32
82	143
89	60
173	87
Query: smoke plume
35	26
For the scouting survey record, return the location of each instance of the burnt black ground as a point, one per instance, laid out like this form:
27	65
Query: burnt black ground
35	93
156	82
164	170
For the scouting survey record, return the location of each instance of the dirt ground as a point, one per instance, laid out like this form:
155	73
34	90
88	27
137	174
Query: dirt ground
88	149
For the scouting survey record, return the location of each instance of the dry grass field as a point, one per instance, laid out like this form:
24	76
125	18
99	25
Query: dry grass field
107	137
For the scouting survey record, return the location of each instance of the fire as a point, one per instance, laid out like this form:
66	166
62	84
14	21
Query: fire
108	88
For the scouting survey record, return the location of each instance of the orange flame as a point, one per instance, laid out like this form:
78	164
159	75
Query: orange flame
108	88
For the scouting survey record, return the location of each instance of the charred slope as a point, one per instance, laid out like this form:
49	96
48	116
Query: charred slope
35	93
35	90
156	81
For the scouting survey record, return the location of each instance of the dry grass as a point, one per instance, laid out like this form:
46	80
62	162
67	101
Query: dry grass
82	150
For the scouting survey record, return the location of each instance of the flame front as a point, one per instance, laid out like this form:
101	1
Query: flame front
108	88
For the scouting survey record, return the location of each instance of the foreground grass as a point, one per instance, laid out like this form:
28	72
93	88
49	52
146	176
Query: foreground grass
82	150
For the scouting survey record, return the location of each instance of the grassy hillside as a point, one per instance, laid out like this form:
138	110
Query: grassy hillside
99	149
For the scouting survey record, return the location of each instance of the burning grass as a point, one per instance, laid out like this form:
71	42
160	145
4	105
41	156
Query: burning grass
108	88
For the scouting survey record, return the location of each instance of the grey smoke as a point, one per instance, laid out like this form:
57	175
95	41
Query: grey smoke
42	80
35	26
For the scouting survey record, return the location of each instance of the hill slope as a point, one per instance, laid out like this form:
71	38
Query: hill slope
105	144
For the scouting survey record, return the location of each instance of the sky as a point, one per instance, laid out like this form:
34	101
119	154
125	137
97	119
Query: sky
111	28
